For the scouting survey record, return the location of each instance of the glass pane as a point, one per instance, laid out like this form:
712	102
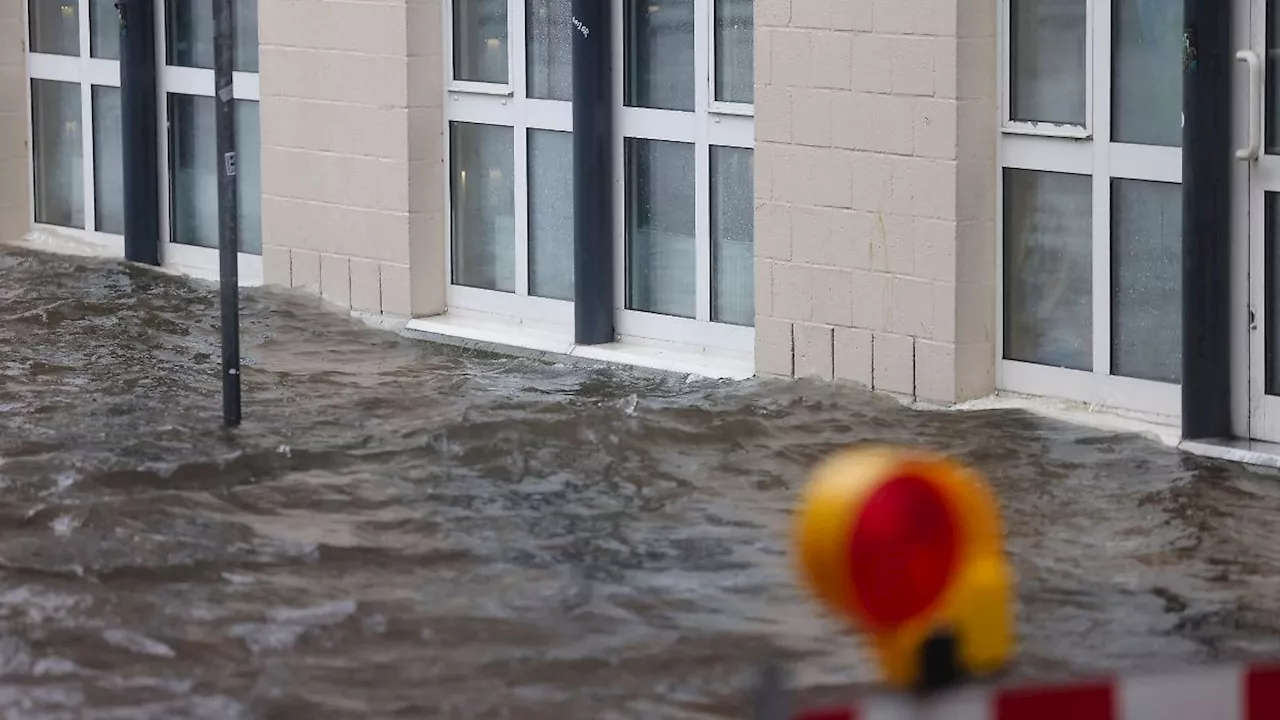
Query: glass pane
108	161
104	29
1271	218
189	34
732	231
55	26
193	172
735	76
1146	280
659	54
1273	79
249	176
483	191
1146	97
661	264
57	153
480	41
1048	266
550	49
551	214
1047	76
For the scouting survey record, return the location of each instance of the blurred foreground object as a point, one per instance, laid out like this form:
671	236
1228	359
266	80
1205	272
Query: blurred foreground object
1211	693
908	546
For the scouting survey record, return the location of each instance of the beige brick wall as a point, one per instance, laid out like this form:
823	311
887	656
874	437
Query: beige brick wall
875	193
15	214
352	150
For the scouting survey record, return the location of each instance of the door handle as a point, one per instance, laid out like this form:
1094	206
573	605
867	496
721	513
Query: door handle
1250	58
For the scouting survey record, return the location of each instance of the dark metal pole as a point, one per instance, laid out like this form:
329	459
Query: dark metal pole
228	237
592	171
1206	222
139	141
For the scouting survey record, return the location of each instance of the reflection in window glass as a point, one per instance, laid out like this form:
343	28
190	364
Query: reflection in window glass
480	41
661	261
1272	75
108	161
550	49
1147	60
735	76
658	54
483	193
104	29
1146	280
1048	305
551	214
1047	63
1271	219
193	172
189	34
57	153
55	26
732	233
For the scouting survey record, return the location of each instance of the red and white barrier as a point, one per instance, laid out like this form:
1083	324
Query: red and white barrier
1222	693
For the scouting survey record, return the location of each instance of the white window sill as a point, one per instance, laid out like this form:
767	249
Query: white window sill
668	357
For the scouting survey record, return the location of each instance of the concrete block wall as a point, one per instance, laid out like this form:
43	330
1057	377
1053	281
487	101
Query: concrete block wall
875	193
15	203
346	144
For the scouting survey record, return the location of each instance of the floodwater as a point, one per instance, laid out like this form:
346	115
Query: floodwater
406	530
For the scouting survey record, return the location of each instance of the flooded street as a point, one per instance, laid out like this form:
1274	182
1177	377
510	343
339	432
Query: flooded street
407	530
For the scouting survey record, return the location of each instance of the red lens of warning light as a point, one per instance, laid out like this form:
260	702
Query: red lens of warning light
902	550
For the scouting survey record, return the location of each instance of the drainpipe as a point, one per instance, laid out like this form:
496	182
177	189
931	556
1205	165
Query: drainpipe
1206	222
592	172
140	142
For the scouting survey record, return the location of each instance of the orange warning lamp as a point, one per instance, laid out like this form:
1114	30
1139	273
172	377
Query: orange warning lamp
909	547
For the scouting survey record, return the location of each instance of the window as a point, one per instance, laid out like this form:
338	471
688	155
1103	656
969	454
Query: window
687	137
661	233
684	203
75	117
551	214
1049	65
77	128
190	145
58	152
1091	206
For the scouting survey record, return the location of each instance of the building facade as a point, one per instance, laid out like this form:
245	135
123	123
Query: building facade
935	198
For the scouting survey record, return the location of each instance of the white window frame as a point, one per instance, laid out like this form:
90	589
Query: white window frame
710	123
508	105
1101	159
87	72
503	105
1047	129
177	80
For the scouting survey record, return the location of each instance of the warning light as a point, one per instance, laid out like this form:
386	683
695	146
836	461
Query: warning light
909	547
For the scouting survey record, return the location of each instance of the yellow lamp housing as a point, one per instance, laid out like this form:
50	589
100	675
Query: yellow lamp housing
908	546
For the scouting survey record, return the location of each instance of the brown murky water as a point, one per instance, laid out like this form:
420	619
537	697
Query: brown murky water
404	530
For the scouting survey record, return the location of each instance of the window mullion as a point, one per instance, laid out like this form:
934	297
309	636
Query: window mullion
1100	94
702	61
518	76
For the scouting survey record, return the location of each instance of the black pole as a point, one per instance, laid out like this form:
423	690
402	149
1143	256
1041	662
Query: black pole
139	141
228	237
1206	222
592	171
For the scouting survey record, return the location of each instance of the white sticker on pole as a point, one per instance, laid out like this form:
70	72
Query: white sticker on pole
229	161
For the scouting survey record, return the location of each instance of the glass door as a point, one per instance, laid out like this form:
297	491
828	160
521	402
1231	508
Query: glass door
1260	148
